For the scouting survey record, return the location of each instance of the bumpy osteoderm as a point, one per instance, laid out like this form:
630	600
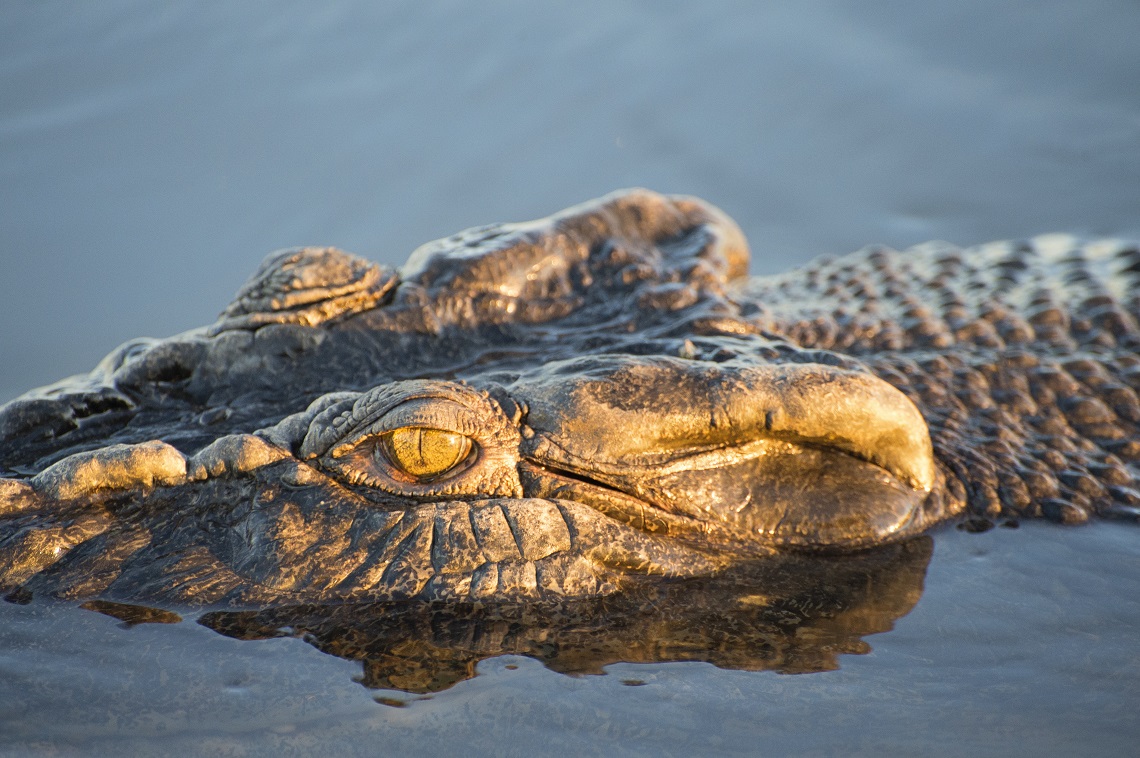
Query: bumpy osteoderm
308	286
566	407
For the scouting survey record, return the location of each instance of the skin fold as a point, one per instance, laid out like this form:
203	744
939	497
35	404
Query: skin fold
569	407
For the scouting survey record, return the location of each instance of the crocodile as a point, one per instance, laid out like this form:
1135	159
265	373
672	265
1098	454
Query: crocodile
570	407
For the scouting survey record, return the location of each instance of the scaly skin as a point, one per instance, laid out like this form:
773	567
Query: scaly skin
607	397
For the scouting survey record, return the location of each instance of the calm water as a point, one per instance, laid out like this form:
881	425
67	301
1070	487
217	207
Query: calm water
1024	643
150	156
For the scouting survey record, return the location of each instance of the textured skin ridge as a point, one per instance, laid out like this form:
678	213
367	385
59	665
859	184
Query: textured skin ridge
1051	291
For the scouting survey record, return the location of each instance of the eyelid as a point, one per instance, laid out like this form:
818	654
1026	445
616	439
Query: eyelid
427	413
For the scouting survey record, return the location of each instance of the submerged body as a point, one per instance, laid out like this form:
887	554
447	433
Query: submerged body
562	408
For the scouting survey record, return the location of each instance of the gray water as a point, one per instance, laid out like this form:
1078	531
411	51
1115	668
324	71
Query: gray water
151	155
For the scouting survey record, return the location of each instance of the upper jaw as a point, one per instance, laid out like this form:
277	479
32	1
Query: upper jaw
798	455
622	411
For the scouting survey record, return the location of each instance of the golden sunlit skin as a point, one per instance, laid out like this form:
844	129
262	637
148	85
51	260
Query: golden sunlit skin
571	408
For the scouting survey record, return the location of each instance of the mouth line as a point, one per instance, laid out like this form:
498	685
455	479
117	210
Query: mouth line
699	460
577	476
545	479
611	491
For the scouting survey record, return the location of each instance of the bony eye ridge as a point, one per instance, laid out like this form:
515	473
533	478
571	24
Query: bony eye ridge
424	453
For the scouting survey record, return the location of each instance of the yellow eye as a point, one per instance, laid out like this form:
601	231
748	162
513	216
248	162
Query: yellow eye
425	453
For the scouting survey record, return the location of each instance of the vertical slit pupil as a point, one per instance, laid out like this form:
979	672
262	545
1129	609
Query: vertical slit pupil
423	452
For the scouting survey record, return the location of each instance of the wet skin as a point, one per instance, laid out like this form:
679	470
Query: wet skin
565	407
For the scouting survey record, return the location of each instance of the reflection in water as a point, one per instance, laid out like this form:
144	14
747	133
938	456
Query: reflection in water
794	614
131	615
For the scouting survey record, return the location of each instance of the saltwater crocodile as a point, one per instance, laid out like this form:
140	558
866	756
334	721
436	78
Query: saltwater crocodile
563	407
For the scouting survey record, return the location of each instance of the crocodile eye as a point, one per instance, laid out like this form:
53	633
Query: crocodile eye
423	453
415	441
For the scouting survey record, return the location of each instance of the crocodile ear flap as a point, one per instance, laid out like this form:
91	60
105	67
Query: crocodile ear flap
308	286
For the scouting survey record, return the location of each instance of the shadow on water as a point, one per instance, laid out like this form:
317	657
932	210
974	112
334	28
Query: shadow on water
793	614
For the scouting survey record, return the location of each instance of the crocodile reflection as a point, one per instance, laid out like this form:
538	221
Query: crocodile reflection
795	614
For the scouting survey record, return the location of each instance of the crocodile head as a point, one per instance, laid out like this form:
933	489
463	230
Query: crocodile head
558	408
